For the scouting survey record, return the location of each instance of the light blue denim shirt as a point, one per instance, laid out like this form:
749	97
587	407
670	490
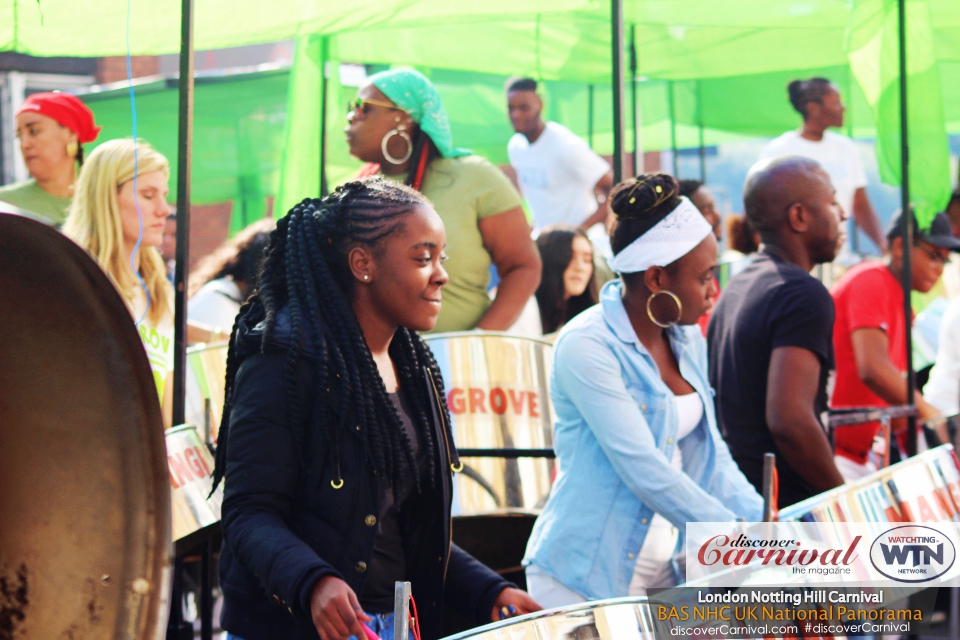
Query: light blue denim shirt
614	439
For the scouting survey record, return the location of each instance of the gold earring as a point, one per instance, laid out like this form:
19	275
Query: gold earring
650	311
72	149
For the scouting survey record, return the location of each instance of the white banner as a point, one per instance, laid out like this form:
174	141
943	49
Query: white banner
804	554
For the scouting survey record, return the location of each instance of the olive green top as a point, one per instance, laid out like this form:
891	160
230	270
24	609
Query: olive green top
464	191
30	196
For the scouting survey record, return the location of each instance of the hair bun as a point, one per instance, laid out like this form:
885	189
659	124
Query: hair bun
638	198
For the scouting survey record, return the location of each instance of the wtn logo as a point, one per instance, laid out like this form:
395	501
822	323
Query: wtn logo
922	554
912	553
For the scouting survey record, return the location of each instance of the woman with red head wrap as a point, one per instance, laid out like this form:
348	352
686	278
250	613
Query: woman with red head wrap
51	127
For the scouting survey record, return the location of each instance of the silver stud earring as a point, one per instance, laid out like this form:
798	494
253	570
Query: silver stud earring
366	277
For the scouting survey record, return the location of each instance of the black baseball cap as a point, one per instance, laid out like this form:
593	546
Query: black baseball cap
939	235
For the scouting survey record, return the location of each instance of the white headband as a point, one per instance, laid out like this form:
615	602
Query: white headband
667	241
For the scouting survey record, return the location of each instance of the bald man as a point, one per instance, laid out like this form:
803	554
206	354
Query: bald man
770	337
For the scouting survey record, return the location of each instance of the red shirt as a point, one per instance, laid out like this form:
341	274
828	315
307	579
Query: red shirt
704	320
867	296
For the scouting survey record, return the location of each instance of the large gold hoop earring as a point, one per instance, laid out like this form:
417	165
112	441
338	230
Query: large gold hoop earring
399	131
72	149
675	299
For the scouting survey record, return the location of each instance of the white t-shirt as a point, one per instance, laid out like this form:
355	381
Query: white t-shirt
836	153
157	337
557	174
943	388
216	304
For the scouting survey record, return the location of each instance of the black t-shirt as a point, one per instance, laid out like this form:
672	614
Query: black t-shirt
772	303
389	563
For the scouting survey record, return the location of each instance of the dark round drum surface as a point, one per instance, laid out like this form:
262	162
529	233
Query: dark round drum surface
84	492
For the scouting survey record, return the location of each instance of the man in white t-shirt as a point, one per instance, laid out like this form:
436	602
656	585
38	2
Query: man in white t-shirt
559	174
818	101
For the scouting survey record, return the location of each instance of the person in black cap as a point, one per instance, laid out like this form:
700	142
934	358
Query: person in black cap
869	335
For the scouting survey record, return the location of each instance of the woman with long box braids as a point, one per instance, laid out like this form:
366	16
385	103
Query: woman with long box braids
336	450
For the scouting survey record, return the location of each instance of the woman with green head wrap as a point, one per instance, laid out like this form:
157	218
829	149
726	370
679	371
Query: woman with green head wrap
397	123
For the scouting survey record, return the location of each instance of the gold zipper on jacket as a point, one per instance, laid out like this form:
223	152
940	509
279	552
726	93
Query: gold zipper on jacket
454	467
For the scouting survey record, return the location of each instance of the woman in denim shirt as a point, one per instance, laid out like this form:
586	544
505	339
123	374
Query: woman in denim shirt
636	435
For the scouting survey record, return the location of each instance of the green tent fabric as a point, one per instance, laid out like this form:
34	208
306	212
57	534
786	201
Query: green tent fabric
873	47
92	28
715	49
238	127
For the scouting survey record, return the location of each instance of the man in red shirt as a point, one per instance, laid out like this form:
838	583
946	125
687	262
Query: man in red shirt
869	336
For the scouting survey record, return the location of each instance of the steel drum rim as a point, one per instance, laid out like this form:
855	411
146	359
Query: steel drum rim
200	347
589	605
881	475
446	335
181	428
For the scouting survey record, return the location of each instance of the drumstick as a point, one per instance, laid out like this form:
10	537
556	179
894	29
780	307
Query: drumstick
770	488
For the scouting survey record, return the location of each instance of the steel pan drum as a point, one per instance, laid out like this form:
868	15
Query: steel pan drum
206	380
616	619
191	476
924	488
84	496
499	398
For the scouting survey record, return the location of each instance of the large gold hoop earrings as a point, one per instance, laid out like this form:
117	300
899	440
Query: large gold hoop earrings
650	310
399	131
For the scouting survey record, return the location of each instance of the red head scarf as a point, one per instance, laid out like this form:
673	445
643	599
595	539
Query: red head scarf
66	109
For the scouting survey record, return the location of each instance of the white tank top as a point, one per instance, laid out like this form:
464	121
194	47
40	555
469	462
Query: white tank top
662	536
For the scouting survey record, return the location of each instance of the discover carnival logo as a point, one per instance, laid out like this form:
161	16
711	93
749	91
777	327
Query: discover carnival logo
728	551
912	553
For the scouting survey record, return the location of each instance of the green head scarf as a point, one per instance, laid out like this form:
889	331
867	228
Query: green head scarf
411	90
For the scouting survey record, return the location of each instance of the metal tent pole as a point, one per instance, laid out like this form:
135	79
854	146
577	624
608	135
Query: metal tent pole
324	81
853	230
673	130
184	153
590	115
907	229
616	25
637	157
703	149
177	628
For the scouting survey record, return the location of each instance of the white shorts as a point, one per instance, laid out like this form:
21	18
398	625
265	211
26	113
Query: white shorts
548	591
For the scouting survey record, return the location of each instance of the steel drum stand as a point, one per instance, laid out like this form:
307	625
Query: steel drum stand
862	415
207	543
401	610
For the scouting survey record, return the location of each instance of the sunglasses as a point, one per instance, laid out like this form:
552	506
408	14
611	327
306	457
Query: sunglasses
359	106
933	255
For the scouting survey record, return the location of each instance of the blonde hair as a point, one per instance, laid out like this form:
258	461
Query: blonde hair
94	220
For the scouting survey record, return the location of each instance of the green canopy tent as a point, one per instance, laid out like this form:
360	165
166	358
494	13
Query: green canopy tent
676	40
727	49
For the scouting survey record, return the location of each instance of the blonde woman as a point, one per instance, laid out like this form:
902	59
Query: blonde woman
104	220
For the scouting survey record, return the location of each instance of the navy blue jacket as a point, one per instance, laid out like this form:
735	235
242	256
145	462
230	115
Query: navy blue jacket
285	527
